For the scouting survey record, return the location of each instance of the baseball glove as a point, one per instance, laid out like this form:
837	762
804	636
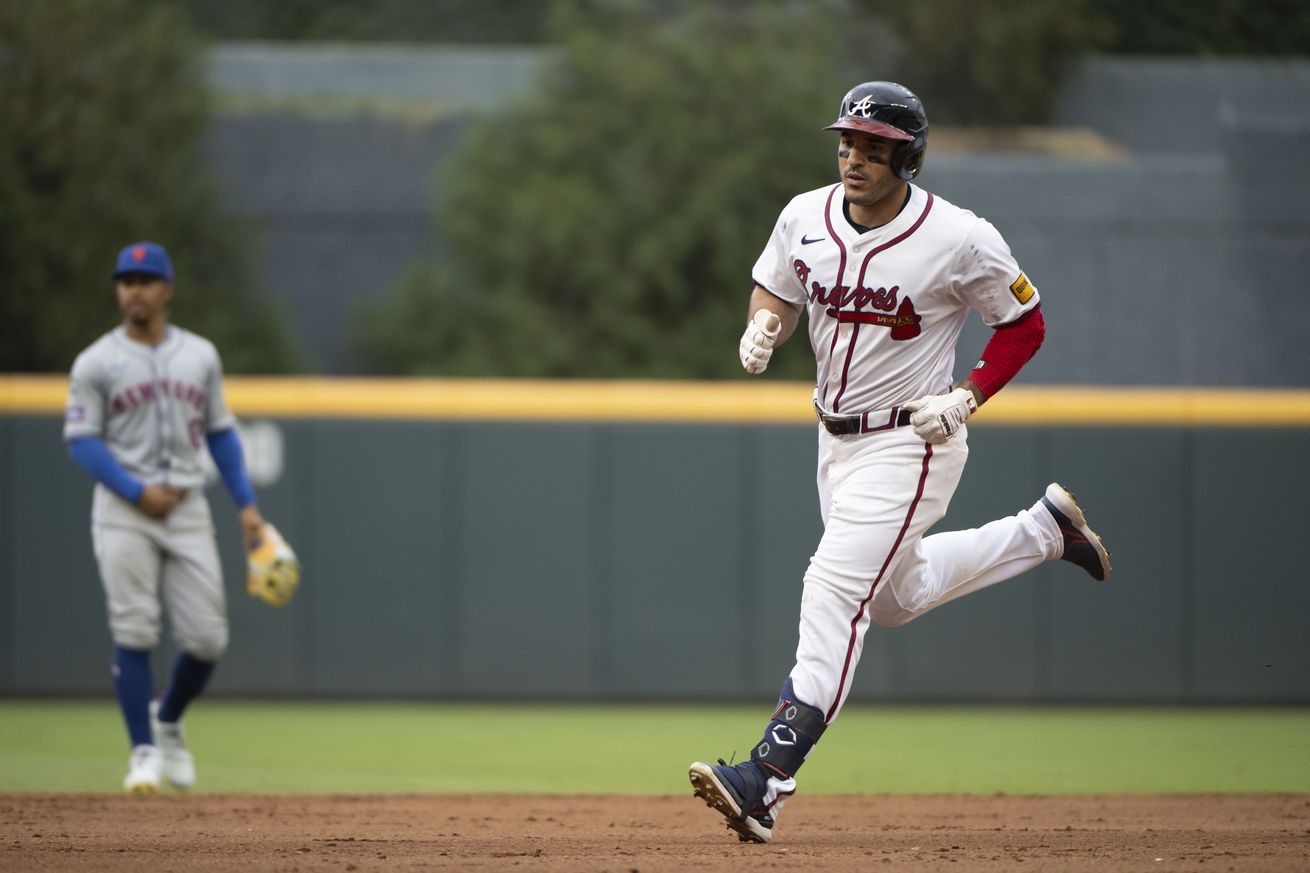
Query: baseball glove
272	568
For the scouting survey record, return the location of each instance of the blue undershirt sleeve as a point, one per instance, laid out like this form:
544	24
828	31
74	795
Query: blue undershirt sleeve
225	447
92	455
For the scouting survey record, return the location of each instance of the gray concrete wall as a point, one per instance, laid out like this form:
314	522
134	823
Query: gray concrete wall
627	561
1153	271
447	77
334	153
342	206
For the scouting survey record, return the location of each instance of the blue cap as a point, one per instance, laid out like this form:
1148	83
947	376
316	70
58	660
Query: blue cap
145	257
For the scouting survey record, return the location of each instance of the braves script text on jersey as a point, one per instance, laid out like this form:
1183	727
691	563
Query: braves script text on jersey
886	307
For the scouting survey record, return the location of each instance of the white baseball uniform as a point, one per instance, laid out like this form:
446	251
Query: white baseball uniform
886	307
152	407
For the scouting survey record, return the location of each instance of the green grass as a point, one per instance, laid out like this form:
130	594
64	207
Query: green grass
360	747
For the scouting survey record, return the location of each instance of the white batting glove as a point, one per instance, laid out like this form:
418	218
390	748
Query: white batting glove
939	417
757	342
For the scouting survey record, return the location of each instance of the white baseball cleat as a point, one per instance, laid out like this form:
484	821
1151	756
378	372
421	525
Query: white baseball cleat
177	765
143	770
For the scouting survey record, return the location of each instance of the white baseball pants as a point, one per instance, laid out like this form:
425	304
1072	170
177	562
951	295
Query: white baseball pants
878	494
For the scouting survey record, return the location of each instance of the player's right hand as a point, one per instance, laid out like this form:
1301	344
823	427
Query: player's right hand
157	501
757	342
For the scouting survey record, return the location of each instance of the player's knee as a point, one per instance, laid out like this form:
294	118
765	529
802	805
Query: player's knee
134	632
903	598
206	644
889	613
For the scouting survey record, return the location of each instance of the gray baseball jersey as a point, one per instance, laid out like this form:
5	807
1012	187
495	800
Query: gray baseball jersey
152	406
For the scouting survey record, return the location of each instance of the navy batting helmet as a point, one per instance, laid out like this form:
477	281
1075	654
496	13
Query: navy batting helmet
888	110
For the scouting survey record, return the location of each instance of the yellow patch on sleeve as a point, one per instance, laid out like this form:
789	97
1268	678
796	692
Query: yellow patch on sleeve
1022	289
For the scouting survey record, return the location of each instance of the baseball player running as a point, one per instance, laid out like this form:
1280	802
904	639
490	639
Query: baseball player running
143	402
887	273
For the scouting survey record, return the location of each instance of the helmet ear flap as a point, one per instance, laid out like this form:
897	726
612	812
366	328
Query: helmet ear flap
907	160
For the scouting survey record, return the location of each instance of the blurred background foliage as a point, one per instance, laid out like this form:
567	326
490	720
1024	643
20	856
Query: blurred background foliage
607	225
990	63
445	21
1221	27
1208	27
597	226
102	114
603	226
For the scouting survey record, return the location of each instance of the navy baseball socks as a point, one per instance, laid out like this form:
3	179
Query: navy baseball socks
190	676
1081	544
751	794
132	684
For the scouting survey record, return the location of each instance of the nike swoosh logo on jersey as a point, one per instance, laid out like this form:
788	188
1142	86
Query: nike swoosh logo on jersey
806	240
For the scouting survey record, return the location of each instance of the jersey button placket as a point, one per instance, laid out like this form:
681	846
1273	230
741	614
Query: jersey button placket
161	417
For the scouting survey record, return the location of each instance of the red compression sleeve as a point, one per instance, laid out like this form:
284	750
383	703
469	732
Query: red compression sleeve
1011	346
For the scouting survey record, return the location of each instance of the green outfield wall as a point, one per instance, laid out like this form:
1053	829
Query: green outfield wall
628	540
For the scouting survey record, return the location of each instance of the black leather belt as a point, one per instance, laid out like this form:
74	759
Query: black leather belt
865	422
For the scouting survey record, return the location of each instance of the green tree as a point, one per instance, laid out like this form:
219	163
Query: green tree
453	21
989	63
1258	28
606	224
102	117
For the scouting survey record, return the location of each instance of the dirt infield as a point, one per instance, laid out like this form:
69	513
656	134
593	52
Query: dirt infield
255	833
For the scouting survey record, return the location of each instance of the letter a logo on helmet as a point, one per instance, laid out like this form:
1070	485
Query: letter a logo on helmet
862	107
891	111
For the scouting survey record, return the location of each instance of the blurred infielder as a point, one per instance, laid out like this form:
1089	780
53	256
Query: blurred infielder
143	402
887	273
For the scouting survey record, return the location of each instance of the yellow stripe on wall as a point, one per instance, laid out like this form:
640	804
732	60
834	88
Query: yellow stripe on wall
711	402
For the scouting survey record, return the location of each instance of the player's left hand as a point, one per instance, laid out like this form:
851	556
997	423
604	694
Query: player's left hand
252	525
272	568
939	417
